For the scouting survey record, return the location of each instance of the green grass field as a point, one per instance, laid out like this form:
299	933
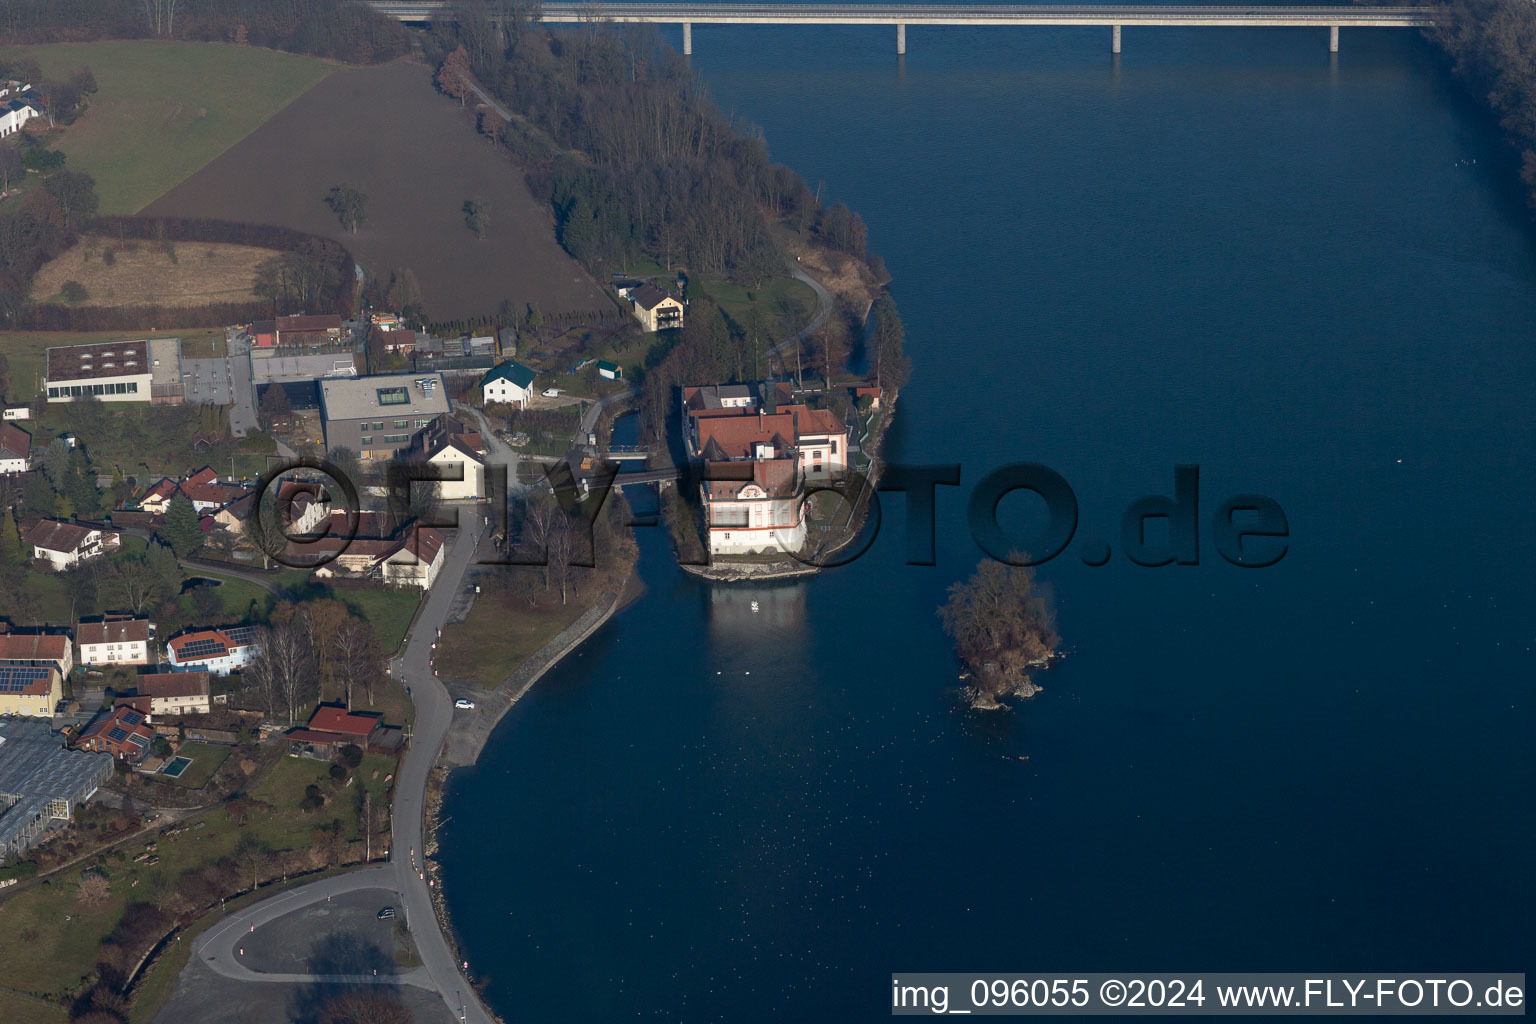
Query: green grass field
165	109
18	1009
206	758
491	643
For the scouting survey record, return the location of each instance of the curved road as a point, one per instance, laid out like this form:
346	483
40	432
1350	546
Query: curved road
218	948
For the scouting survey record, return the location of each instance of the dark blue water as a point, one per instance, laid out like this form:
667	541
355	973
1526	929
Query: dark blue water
1313	279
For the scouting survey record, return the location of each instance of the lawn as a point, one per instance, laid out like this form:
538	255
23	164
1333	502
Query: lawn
18	1009
494	639
786	304
165	109
206	758
389	609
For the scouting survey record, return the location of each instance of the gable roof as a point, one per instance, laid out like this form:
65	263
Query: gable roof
114	631
33	647
173	684
458	445
648	296
513	371
55	535
338	720
15	443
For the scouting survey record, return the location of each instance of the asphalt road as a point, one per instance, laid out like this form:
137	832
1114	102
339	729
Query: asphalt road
218	948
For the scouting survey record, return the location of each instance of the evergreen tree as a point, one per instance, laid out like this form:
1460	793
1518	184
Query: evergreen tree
11	551
182	529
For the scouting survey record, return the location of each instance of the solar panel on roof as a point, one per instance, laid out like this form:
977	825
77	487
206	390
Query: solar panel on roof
203	649
132	717
16	678
118	733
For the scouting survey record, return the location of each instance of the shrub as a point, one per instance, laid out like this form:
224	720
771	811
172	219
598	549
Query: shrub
74	293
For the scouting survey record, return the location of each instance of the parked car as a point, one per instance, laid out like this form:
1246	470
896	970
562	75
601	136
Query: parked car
386	913
551	392
464	705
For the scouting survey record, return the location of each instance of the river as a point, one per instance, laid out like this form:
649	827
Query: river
1311	277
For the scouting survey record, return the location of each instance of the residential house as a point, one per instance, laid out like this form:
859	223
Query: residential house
510	383
30	690
15	112
655	309
157	499
331	728
415	560
456	458
124	732
870	392
54	649
219	651
207	494
65	545
15	449
41	783
176	693
115	640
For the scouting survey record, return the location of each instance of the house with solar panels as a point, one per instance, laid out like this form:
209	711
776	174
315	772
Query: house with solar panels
215	651
124	732
31	691
41	783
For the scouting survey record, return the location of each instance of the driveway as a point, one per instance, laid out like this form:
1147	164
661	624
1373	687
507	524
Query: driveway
242	410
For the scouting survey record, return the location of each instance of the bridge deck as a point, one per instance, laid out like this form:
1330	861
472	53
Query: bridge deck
970	14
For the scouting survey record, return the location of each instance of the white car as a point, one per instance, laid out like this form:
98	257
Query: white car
464	705
551	392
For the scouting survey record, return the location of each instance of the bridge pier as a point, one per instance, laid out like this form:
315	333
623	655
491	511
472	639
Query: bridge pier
1114	39
1333	39
687	38
901	38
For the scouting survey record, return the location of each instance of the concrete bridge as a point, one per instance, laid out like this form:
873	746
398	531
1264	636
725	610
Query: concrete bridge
902	15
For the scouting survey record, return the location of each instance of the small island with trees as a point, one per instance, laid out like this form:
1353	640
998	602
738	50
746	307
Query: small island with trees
1003	626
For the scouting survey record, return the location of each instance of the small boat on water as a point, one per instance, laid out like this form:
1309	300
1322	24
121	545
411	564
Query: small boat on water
754	606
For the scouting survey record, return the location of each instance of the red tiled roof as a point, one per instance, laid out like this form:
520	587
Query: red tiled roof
14	442
173	684
738	435
206	475
304	324
33	647
340	721
777	477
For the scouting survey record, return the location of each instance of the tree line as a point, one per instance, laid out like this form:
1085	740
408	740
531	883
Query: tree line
334	29
617	133
309	272
1490	44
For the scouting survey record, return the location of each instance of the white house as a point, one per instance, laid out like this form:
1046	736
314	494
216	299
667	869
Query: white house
219	651
414	560
176	693
13	114
66	545
15	449
115	640
452	453
508	384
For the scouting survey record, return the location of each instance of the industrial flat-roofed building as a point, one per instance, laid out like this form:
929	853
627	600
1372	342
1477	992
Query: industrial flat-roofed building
41	782
117	371
377	417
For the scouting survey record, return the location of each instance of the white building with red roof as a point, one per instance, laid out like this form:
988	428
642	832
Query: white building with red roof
217	651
